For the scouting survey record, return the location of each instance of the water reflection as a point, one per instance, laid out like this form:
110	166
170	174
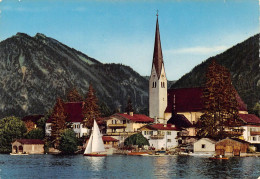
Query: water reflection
96	163
162	166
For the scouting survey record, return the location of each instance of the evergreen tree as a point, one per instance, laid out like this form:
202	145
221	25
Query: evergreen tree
90	109
220	103
129	107
58	121
74	96
136	139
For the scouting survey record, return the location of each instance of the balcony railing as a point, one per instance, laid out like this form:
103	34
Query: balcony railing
254	132
120	133
159	136
117	125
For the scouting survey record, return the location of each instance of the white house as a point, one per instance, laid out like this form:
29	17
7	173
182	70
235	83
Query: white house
74	115
122	125
161	136
251	128
205	146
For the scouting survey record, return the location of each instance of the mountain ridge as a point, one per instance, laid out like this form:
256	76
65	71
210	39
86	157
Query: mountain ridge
36	70
244	64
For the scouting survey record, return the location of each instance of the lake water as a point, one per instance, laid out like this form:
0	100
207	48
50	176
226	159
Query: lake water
120	166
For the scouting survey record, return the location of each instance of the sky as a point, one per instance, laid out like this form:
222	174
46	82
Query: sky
122	31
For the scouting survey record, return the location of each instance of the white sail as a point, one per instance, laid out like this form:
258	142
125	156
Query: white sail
95	143
88	149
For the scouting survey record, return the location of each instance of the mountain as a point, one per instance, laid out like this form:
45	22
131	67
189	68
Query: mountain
34	71
244	64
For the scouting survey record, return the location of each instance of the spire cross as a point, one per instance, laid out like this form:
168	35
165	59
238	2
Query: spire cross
157	13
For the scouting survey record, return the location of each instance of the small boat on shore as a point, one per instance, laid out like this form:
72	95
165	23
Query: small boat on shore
95	145
138	153
217	157
18	154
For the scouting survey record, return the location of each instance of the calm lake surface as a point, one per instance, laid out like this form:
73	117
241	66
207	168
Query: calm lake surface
117	166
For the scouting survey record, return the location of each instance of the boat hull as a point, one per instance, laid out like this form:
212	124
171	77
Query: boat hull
217	158
95	155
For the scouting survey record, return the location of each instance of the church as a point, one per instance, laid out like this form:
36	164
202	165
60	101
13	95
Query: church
183	107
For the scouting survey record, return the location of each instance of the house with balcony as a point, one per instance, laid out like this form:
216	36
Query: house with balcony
251	129
161	136
122	125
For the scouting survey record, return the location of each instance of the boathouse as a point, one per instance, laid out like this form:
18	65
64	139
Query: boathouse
28	146
204	146
231	147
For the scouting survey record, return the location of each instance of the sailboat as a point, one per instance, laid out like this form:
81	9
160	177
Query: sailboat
95	143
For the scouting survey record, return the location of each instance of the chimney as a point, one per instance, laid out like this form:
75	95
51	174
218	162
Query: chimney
131	113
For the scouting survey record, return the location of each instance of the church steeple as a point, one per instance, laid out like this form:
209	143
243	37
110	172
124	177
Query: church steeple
157	82
157	53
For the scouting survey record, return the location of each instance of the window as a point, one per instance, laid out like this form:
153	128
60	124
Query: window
169	133
151	132
169	140
144	132
78	126
254	138
203	146
124	121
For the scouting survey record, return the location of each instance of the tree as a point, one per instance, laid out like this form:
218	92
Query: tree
11	128
35	134
29	125
58	121
74	96
220	103
68	142
90	109
136	139
129	107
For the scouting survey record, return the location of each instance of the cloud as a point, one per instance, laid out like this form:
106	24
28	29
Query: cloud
199	50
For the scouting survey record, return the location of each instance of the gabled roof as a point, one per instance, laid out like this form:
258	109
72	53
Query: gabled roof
157	53
250	118
33	118
135	118
190	100
208	139
234	140
73	111
161	127
179	121
30	141
109	139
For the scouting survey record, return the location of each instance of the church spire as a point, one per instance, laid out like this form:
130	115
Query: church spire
157	53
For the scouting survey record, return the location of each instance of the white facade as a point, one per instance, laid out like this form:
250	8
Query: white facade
158	95
251	134
161	139
204	145
76	126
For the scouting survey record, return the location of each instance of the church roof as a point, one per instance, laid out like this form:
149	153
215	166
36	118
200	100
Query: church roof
157	53
190	100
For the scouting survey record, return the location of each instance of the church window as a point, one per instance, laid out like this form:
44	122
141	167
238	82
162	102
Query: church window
155	84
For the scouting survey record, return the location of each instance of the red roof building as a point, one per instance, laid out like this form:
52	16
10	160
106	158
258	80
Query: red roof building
138	118
250	119
190	100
